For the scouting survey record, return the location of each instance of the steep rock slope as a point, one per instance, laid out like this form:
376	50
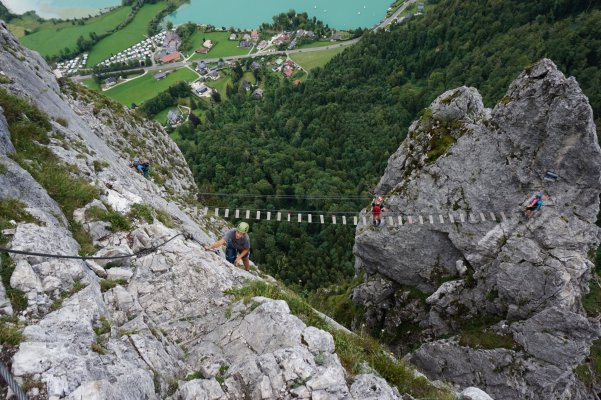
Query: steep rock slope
516	280
158	317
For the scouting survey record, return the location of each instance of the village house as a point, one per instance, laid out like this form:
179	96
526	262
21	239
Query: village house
297	82
214	75
201	90
171	57
255	65
420	8
336	38
262	45
258	93
288	71
171	42
208	44
160	75
202	50
245	85
254	35
112	81
245	44
292	44
246	37
233	36
174	117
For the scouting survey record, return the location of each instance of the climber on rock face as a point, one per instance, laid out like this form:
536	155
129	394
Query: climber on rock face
534	205
238	245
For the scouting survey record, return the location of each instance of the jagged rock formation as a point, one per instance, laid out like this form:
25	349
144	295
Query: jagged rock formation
521	280
158	317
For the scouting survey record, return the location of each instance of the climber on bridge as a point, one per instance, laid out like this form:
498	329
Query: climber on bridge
237	245
377	206
534	205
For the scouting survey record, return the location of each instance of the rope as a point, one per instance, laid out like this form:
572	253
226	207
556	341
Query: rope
284	196
10	380
141	252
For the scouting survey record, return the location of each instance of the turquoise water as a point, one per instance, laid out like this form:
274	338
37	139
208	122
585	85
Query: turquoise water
60	8
339	14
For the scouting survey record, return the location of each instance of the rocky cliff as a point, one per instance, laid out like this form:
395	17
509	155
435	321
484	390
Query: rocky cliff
491	303
158	325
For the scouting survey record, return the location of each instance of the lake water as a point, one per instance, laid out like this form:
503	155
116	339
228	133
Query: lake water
339	14
60	8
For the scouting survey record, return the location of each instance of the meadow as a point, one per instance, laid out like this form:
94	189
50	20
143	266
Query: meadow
146	87
315	59
223	47
50	38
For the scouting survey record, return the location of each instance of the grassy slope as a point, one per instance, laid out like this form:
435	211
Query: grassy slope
91	83
50	38
223	47
146	87
316	58
133	33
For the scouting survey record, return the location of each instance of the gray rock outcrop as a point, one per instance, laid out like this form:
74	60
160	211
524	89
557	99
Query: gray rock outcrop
526	277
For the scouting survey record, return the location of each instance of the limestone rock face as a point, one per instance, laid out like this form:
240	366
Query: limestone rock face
136	327
458	159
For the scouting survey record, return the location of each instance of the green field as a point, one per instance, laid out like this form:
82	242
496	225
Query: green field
161	117
220	84
133	33
315	59
222	46
318	43
51	38
146	87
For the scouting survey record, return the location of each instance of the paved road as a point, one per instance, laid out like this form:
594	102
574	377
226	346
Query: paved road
181	64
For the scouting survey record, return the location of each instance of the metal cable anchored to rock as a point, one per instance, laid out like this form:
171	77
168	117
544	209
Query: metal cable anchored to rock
12	383
141	252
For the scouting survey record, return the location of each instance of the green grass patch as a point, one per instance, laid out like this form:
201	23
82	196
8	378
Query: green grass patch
146	87
10	333
118	221
222	46
314	59
3	169
353	350
131	34
439	144
50	38
161	117
142	212
92	84
58	302
100	165
12	209
335	301
590	371
165	218
317	43
107	284
591	302
220	84
477	334
17	298
29	127
105	327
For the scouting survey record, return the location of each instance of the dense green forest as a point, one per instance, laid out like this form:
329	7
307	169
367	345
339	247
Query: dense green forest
332	135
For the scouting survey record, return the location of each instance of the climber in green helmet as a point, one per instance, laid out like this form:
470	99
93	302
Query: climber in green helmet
237	245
